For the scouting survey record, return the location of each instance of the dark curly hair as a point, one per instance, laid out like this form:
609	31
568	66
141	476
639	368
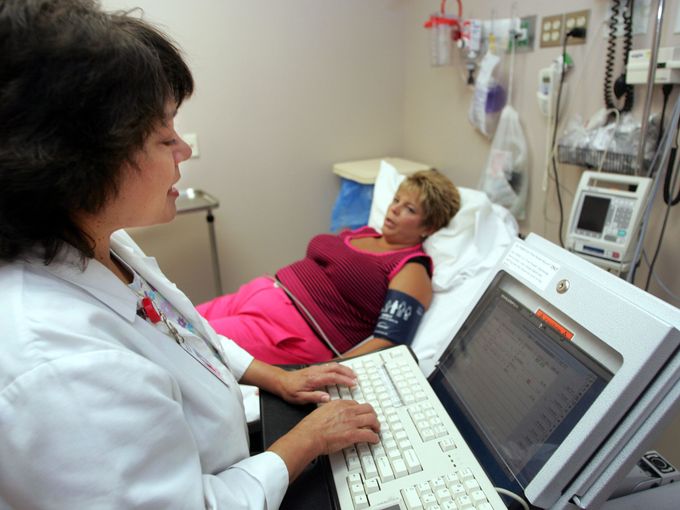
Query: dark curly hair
80	91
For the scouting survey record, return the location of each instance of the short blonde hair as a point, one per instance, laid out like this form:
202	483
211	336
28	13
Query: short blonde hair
439	198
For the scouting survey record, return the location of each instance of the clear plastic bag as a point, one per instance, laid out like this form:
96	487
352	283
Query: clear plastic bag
489	96
505	178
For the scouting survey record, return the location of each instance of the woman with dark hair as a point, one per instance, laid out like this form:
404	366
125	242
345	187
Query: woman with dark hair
114	392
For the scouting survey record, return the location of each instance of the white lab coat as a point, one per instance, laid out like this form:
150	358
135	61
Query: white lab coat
101	409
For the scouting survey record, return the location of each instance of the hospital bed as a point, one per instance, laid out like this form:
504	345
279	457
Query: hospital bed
463	253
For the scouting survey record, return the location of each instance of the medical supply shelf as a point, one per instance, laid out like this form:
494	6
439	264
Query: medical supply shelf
614	162
195	200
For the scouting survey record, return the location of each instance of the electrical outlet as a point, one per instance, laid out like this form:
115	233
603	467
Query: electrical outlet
527	34
552	30
577	19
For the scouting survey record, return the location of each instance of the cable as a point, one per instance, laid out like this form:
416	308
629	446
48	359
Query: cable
665	220
667	187
580	33
663	286
512	495
666	88
619	87
661	156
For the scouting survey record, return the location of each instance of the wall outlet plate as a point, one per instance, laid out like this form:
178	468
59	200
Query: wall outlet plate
577	19
552	30
525	42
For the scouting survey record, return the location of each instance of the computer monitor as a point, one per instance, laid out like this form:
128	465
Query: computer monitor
605	217
556	368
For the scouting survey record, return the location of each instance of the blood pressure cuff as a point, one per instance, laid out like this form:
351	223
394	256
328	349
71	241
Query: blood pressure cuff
399	318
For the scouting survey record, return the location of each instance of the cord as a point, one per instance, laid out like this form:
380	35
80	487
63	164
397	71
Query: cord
619	87
512	495
660	160
574	32
674	172
667	187
658	280
666	88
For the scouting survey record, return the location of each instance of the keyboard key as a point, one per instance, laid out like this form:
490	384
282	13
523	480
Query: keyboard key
399	468
465	474
353	478
464	500
353	463
443	495
447	444
357	489
426	434
360	502
449	505
478	497
428	499
411	499
422	488
470	485
456	490
377	449
451	479
384	469
394	454
363	449
404	444
420	396
372	486
412	462
437	483
440	431
369	467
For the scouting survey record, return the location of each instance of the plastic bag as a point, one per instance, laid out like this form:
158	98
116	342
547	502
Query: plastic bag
352	206
505	179
489	96
608	146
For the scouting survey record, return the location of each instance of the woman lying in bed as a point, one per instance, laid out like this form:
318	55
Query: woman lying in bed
349	287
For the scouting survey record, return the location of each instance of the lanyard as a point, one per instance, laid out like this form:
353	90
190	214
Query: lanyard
150	312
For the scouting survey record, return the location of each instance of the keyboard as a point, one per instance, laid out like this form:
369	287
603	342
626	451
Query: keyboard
421	461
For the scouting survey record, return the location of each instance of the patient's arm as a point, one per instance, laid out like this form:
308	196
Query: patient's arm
413	280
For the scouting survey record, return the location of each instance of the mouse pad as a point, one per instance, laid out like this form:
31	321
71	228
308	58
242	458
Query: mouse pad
312	488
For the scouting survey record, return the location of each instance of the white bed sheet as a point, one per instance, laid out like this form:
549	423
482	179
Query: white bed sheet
463	254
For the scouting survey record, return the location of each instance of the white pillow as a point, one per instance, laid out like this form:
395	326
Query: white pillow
455	249
463	254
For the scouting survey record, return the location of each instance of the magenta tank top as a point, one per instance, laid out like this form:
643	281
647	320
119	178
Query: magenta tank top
344	287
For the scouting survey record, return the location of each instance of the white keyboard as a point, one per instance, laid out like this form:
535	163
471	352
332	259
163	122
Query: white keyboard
422	461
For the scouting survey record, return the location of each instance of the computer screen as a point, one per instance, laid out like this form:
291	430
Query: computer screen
593	213
516	374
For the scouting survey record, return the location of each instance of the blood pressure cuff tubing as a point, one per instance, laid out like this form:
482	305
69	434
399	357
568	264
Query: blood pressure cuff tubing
399	318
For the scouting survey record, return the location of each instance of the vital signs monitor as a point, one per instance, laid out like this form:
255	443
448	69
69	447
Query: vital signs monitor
605	217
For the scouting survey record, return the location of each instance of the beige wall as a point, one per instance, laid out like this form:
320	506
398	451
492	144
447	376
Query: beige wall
436	129
285	89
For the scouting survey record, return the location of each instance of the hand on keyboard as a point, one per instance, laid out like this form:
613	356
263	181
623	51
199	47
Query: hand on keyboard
340	424
308	384
328	429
